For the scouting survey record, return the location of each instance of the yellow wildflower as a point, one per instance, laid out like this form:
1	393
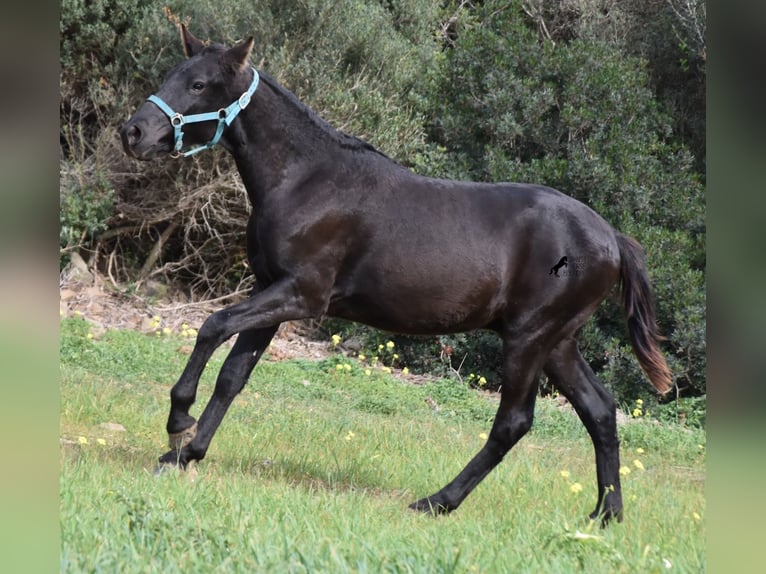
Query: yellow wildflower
696	516
336	340
575	487
482	381
361	357
347	367
483	436
82	440
564	474
389	345
338	367
167	330
639	450
350	435
624	470
101	441
638	464
367	372
405	371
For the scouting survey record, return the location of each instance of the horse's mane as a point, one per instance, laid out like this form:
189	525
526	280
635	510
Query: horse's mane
343	139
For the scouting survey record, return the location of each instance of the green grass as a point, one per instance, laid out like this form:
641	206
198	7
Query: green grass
313	468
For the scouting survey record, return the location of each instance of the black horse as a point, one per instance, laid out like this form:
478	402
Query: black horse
339	229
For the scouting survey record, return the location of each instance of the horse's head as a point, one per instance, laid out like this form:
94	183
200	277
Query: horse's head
200	97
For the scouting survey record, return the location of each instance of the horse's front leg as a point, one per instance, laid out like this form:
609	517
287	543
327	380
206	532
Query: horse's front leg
193	442
257	319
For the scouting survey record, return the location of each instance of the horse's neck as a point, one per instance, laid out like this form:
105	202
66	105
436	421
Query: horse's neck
276	137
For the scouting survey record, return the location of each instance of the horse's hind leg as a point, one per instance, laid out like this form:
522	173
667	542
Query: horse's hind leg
572	376
193	444
513	420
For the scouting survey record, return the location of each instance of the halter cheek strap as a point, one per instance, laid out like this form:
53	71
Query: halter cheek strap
224	116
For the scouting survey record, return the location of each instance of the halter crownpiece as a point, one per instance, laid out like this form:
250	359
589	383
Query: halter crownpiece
224	116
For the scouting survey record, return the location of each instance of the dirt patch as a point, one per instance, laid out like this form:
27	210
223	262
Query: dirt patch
106	307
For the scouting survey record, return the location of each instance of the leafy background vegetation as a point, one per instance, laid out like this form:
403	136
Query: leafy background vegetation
602	99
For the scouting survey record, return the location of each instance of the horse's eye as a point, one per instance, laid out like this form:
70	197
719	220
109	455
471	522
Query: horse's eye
198	86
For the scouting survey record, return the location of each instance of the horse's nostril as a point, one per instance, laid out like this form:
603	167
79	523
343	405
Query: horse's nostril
130	135
134	135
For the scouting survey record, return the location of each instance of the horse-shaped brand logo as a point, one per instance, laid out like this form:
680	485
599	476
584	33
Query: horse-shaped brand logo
555	269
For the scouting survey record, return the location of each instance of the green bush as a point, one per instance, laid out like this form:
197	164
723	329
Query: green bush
85	208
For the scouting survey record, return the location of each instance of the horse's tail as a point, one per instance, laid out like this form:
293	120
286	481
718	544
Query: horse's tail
639	308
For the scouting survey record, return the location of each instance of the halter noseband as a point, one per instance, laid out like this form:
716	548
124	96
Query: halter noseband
224	116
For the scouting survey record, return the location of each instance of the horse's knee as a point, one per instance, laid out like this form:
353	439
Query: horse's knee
507	432
211	331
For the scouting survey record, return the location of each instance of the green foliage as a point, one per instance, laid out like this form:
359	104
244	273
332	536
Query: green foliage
84	211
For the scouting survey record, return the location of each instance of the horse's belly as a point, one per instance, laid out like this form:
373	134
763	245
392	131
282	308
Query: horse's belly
410	303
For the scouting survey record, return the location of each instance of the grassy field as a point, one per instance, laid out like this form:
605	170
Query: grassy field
314	466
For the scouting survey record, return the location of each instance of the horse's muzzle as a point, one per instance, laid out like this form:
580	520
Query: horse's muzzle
145	136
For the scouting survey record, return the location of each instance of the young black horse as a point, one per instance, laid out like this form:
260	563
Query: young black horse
339	229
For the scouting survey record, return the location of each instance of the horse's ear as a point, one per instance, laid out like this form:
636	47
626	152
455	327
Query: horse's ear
192	46
237	57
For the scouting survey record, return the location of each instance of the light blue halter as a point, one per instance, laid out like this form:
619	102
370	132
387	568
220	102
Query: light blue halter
224	116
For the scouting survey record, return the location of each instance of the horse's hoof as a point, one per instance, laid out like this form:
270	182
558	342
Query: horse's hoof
428	506
163	468
189	472
607	516
178	440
